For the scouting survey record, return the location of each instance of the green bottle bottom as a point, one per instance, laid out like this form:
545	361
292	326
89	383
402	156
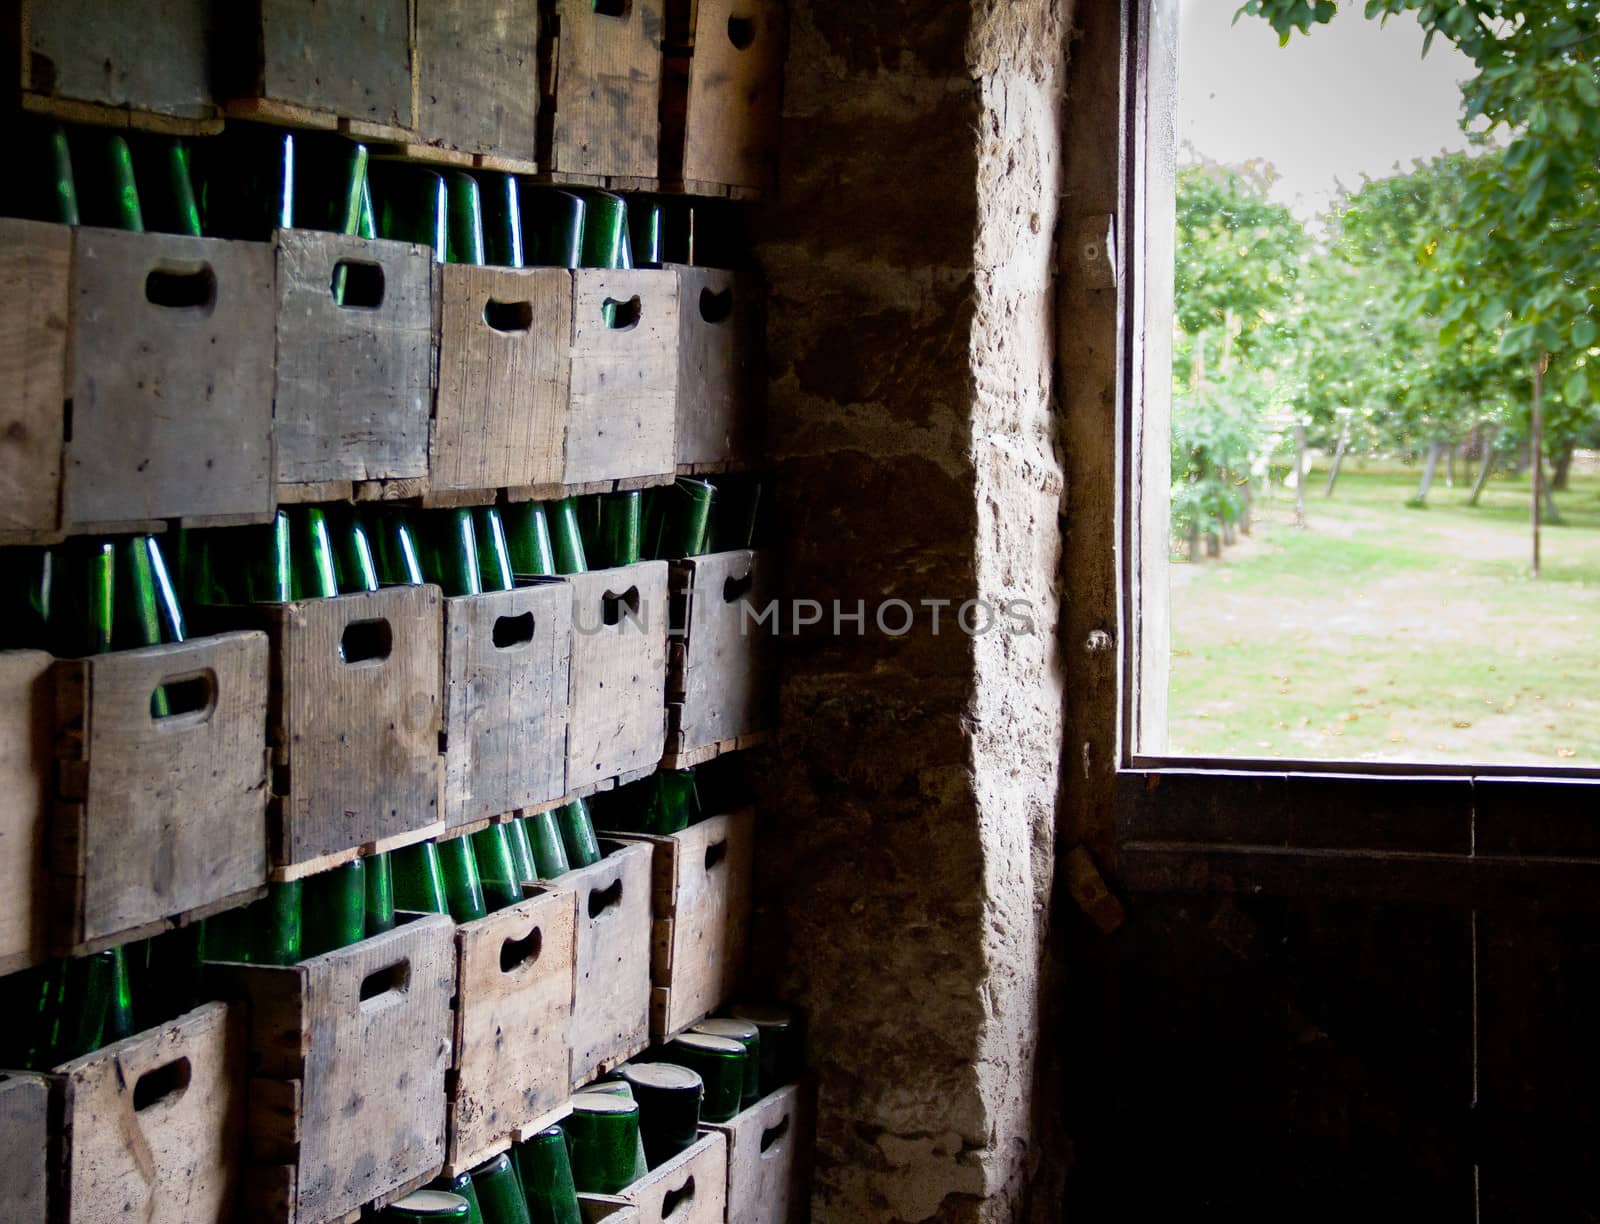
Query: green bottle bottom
603	1141
499	1188
547	1185
549	851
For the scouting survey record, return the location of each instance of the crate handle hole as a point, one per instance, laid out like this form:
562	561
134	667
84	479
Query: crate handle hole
772	1134
622	316
602	899
357	285
385	984
509	317
736	588
185	695
366	641
182	289
515	953
160	1084
613	605
513	631
716	307
675	1199
715	853
611	8
741	32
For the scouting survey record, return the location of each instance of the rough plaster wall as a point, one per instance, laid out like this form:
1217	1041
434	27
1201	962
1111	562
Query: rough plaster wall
906	852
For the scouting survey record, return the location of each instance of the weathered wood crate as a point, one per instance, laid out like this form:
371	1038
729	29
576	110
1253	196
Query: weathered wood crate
621	417
111	63
505	344
348	1055
700	917
309	64
720	381
607	1211
601	110
35	278
511	1071
354	381
352	724
505	700
769	1158
151	1126
691	1188
611	982
26	1136
157	818
171	355
27	702
478	76
619	663
722	662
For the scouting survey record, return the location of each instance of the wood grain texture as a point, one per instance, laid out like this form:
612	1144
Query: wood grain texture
158	817
354	384
512	1062
607	89
171	405
505	708
353	60
722	684
27	698
154	56
500	418
616	715
172	1159
604	1209
735	87
611	983
623	397
35	271
695	1181
477	75
721	336
25	1141
769	1158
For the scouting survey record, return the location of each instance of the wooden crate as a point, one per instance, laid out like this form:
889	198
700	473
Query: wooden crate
171	386
722	664
511	1073
700	906
611	984
769	1158
151	1125
691	1188
26	1131
353	723
113	63
354	382
505	700
615	719
158	819
478	76
623	399
348	1055
35	273
305	63
606	91
735	80
601	1210
720	383
505	344
27	699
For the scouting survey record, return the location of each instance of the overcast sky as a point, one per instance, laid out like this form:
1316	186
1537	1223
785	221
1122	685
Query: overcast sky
1355	97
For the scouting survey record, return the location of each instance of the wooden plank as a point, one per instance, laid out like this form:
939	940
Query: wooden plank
354	382
607	89
615	720
477	75
691	1188
171	404
611	982
726	687
160	816
504	344
153	57
721	335
26	718
25	1142
35	267
607	1209
735	87
512	1062
769	1158
151	1124
623	396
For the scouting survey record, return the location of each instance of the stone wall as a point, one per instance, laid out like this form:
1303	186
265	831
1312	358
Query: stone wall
908	831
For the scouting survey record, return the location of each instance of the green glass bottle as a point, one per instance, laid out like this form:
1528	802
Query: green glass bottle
419	879
621	526
328	186
463	888
566	533
644	230
114	201
428	1207
314	576
782	1042
720	1063
690	517
247	183
461	1184
497	870
61	204
672	802
394	547
605	231
170	204
677	230
500	1196
602	1141
502	220
528	541
355	566
547	1186
97	1005
669	1107
335	908
464	237
555	224
380	894
494	554
747	1035
266	557
451	559
411	205
265	932
577	833
521	851
549	851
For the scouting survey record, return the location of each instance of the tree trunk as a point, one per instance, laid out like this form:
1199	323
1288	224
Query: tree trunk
1194	542
1247	496
1466	458
1338	458
1488	465
1428	470
1299	475
1450	466
1561	463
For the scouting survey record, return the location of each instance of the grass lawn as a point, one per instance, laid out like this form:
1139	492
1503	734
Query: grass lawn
1384	633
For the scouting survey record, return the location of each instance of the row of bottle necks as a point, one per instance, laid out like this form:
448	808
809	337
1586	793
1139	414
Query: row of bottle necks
251	181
